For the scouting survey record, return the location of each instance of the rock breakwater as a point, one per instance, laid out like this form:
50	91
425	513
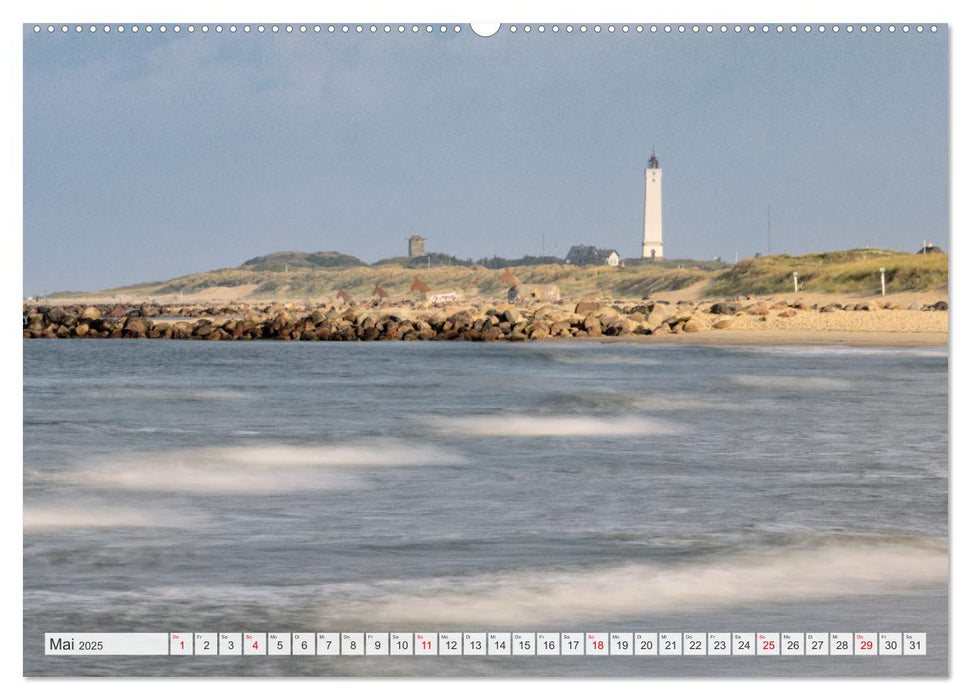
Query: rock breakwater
418	321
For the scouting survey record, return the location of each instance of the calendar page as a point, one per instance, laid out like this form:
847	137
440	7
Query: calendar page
547	349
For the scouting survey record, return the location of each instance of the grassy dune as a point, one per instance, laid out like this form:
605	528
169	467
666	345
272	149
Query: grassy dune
360	281
850	271
846	271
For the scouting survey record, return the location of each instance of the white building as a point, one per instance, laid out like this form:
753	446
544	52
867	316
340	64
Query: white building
591	255
653	245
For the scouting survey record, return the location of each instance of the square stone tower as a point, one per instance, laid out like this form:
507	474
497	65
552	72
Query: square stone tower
416	246
653	245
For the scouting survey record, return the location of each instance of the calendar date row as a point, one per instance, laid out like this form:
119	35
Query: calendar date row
488	644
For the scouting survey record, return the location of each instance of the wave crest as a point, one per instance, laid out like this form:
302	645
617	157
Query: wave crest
841	569
520	425
256	468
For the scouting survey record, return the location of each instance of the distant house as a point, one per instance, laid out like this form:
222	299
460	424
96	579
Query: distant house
591	255
929	248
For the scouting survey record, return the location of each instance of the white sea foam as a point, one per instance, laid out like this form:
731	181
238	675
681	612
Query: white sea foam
166	393
60	518
255	468
520	425
828	572
791	383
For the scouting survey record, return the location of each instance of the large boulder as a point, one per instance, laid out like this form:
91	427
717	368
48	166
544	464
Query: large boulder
61	316
725	308
591	324
136	326
616	325
512	316
657	317
91	313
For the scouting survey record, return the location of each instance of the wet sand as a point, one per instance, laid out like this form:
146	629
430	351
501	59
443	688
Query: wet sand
790	337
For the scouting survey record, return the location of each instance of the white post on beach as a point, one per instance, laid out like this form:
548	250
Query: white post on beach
883	282
795	282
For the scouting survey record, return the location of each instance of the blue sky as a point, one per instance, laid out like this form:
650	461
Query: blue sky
147	156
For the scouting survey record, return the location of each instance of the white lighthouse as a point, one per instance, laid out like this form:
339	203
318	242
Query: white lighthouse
653	246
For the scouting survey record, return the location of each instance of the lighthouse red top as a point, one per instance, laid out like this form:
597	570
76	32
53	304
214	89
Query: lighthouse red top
653	163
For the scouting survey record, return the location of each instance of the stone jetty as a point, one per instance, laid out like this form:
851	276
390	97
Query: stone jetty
420	321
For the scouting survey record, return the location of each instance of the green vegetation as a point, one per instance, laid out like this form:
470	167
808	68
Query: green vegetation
288	260
851	271
845	271
676	263
304	283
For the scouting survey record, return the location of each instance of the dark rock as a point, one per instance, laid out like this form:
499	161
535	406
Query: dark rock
725	308
61	316
591	325
136	326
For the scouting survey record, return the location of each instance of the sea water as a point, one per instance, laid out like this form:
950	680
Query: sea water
173	486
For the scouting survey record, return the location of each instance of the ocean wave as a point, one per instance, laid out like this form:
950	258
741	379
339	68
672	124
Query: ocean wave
845	568
157	430
815	569
166	393
791	382
577	402
53	518
520	425
586	400
589	358
255	468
